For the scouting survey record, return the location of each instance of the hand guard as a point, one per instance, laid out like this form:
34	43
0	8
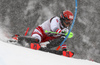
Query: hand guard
70	35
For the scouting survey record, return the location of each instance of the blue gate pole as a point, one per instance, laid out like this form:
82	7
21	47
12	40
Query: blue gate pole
71	26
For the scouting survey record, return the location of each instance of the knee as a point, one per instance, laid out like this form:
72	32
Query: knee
36	36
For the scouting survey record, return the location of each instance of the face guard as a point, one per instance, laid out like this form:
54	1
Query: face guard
65	21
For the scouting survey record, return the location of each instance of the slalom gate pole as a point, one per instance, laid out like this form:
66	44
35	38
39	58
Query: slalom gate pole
71	26
26	31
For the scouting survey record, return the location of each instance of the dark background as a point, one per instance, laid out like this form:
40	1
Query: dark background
17	15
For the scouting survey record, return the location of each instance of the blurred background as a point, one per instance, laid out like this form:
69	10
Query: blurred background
17	15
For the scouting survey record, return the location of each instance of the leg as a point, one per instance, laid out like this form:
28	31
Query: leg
34	45
55	42
28	39
37	36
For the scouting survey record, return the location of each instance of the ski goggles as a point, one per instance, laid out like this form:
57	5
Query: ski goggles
67	22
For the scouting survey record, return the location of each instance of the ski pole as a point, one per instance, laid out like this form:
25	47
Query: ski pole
71	26
70	35
26	31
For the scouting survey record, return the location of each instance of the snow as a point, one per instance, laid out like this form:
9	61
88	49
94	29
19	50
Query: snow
16	55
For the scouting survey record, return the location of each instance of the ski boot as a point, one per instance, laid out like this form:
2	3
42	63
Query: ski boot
66	52
35	46
14	38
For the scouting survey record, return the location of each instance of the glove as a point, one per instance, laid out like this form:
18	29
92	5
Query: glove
63	32
68	53
35	46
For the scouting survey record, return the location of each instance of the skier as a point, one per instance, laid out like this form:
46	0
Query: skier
55	24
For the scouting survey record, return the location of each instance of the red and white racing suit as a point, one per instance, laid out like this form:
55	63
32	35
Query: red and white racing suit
53	24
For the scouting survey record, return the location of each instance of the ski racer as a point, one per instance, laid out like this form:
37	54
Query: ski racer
57	24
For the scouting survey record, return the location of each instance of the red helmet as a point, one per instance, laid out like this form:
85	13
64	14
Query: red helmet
66	17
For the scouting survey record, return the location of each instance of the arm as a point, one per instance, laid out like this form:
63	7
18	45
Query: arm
55	27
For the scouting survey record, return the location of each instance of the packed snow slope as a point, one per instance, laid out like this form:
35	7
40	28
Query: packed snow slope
17	55
17	15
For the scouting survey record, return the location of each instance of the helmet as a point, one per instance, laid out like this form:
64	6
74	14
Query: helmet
66	18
